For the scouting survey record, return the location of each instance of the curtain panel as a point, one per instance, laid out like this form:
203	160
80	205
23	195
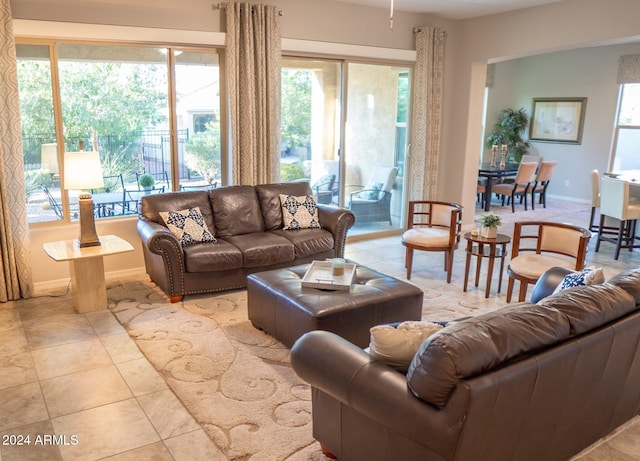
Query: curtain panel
426	115
629	69
253	62
15	264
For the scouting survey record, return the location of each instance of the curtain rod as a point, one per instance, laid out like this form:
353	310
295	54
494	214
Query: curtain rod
419	29
223	6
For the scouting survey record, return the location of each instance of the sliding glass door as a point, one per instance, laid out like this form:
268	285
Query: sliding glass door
377	99
310	124
368	178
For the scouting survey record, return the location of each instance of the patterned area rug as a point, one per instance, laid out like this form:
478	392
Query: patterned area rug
234	379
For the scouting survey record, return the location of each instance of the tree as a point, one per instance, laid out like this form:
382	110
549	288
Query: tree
203	152
104	98
296	107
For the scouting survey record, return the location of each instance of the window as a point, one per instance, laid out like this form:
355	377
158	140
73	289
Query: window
200	122
626	150
116	99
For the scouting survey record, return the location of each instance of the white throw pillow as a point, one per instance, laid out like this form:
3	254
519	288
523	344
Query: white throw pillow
188	226
587	276
299	212
397	345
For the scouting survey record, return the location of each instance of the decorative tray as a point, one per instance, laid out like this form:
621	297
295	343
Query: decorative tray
320	275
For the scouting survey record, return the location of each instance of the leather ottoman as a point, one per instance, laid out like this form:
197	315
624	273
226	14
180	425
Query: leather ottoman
279	305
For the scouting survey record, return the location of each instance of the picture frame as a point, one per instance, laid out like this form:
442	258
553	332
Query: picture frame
558	120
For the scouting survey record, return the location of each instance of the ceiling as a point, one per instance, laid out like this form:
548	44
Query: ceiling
453	9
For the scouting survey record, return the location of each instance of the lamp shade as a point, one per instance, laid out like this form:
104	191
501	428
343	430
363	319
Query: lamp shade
82	170
49	158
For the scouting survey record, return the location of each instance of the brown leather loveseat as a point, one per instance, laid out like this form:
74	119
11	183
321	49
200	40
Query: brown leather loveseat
247	223
527	382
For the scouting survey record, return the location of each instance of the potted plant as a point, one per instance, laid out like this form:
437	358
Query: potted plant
490	223
508	131
146	181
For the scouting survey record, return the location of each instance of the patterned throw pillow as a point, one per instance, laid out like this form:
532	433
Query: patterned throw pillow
587	276
299	212
188	226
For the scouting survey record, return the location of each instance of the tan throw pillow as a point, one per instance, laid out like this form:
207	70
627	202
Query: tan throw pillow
188	226
299	212
397	345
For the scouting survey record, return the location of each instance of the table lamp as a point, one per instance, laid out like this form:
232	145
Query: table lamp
49	158
83	171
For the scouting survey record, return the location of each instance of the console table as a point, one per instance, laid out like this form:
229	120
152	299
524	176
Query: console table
86	265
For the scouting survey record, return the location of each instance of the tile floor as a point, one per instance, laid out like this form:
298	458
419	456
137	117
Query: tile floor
49	354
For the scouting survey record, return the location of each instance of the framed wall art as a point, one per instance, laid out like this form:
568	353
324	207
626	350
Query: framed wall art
557	120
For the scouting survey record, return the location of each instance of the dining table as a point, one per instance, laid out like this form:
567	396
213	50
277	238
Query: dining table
494	172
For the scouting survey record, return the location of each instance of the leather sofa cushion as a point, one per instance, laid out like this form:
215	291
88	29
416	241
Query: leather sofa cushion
263	249
588	307
151	206
473	346
308	242
628	281
208	257
269	198
236	210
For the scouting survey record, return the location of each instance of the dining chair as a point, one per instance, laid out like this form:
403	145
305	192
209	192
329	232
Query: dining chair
543	177
481	190
538	246
594	224
524	179
432	226
526	158
615	203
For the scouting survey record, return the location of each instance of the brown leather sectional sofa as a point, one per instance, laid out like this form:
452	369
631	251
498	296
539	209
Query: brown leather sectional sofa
247	223
526	382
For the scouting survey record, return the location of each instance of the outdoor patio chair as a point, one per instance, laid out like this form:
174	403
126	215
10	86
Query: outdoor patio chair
372	202
323	188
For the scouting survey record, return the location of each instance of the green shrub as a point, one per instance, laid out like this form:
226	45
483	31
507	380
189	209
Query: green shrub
291	172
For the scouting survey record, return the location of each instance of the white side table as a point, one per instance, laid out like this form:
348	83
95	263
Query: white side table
87	268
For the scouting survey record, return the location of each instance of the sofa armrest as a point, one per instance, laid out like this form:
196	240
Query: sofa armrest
157	237
158	240
337	221
339	368
548	282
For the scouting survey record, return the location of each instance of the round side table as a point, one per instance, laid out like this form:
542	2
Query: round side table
482	247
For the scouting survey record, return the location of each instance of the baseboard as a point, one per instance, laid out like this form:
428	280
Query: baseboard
569	199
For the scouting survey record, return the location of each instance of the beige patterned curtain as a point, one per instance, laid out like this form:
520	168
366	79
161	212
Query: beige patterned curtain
426	116
629	69
253	77
15	263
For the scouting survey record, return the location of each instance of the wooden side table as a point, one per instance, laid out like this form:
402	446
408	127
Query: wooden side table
482	247
86	265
